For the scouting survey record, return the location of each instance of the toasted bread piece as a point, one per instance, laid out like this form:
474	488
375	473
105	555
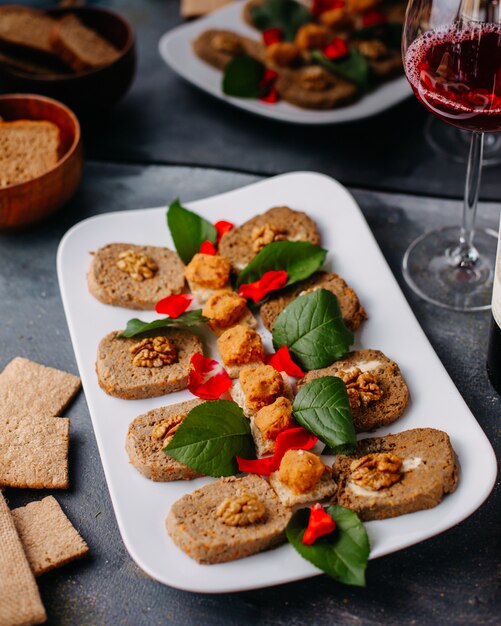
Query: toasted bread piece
82	48
325	488
28	149
352	311
395	396
146	451
430	470
119	377
205	49
25	27
236	245
196	528
111	285
334	91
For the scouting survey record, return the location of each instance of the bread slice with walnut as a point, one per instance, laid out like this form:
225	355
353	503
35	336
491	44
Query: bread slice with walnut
352	311
147	437
146	368
134	277
371	407
396	474
228	519
240	245
218	47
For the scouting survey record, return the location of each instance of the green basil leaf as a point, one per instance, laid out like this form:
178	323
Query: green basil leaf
343	554
285	14
322	407
389	33
312	327
137	327
188	230
353	67
300	259
242	77
209	438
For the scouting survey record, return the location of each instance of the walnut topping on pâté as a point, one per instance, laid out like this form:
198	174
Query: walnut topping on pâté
228	43
362	387
314	78
167	429
376	471
373	49
241	510
137	265
153	352
268	233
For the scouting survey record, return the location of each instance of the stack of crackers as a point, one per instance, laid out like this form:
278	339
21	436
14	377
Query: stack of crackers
34	447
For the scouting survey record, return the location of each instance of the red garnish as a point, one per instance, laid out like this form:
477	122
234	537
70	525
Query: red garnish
267	86
283	362
207	379
372	18
269	281
175	305
271	97
222	228
290	439
321	6
319	524
207	247
336	49
273	35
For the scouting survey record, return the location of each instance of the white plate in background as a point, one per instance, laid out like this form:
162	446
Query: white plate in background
142	505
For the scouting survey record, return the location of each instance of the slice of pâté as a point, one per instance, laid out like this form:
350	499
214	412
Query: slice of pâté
428	472
218	47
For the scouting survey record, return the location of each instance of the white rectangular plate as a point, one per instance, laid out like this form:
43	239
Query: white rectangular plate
176	50
142	505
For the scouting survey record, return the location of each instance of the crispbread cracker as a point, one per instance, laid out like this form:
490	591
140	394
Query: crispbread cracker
34	452
28	389
20	603
49	538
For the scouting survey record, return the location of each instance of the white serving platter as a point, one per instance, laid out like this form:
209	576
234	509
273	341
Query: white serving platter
142	505
176	50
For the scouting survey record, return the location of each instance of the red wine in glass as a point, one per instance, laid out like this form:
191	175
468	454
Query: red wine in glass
456	73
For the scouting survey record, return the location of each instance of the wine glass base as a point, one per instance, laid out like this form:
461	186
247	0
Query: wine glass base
454	143
430	270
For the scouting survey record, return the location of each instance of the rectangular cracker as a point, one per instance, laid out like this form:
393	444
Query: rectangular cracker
34	452
49	538
193	8
20	602
29	389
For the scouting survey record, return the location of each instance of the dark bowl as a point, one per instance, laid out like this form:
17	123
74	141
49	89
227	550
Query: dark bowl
92	90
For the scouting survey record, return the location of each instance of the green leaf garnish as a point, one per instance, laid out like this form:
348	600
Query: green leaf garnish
137	327
188	230
389	33
343	554
353	67
300	259
322	407
242	77
287	15
210	437
312	327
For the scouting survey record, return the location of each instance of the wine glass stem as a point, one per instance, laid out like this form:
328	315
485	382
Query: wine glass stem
466	255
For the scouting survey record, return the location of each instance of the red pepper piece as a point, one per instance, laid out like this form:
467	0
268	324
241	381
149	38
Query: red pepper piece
222	228
336	49
271	97
283	362
207	247
273	35
319	524
290	439
174	305
321	6
372	18
207	379
269	281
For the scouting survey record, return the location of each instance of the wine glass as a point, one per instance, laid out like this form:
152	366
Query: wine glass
452	59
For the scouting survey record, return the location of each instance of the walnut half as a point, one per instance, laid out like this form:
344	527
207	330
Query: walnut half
167	429
153	352
138	266
268	233
361	386
241	510
376	471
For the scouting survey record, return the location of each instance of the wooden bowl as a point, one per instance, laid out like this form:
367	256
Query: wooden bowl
29	202
91	90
